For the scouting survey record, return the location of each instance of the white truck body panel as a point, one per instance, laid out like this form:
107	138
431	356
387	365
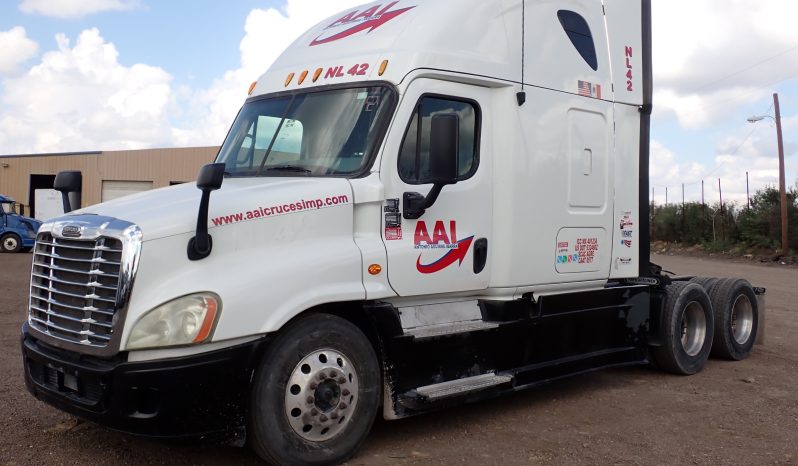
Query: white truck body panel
554	196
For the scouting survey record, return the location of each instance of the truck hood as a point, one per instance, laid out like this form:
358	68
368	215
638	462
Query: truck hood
173	211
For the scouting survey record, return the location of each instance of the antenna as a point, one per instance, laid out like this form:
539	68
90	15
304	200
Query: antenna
521	96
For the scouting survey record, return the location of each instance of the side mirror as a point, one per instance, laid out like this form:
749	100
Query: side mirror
443	163
69	183
444	140
210	179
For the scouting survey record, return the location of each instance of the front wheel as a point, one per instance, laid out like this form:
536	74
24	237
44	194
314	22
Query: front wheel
10	243
316	393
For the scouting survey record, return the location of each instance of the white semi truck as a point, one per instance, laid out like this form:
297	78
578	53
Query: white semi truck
421	203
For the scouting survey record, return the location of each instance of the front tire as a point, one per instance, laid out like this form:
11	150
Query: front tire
316	393
10	243
688	329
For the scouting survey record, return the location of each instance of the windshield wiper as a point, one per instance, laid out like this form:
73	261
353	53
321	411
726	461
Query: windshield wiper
288	168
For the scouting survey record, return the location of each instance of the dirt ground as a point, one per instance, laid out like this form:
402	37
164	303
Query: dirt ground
731	413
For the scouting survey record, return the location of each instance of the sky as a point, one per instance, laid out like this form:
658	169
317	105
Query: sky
81	75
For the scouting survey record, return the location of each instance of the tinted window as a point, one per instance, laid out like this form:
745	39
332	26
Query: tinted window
579	32
414	155
314	133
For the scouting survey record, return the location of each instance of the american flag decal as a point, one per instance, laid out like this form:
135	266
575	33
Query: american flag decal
585	89
588	89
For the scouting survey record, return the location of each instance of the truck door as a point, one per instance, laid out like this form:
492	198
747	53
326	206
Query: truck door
447	249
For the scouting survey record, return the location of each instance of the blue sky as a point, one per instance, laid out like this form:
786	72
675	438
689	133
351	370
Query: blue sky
186	66
196	40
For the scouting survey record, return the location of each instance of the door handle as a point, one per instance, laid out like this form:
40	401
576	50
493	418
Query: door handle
480	254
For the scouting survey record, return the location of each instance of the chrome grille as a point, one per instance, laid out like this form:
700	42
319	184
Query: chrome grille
75	288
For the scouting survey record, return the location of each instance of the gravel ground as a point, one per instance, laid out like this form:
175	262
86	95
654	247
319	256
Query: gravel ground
730	413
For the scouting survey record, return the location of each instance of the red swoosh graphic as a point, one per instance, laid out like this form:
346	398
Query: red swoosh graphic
370	24
448	259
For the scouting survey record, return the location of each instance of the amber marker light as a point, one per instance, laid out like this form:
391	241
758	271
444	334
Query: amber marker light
383	67
252	87
302	77
207	323
289	79
317	74
375	269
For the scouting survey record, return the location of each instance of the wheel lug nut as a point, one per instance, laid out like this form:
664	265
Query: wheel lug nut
342	405
345	392
314	412
322	376
323	418
341	380
310	400
332	374
314	386
334	416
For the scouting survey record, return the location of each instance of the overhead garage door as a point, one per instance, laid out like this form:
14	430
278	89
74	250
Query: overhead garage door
116	189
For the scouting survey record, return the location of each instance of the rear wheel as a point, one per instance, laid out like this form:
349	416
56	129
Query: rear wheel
316	393
687	329
736	318
10	243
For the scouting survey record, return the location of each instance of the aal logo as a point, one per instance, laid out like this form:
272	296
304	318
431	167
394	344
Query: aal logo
440	240
358	21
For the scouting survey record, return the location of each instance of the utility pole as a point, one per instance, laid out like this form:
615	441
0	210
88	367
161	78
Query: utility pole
703	204
720	193
785	247
666	196
747	191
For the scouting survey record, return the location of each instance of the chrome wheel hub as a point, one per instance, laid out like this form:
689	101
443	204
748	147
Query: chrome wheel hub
694	328
321	395
742	319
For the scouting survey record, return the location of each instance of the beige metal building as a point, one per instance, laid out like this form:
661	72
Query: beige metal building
106	175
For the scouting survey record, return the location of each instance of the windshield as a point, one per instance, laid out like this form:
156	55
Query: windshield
328	133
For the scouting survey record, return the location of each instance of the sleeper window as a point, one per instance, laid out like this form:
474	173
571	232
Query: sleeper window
579	32
414	155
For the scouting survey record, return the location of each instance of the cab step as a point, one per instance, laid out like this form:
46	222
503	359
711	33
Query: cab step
440	330
452	388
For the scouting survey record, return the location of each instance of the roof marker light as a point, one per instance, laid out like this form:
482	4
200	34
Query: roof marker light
302	77
288	79
252	87
383	67
317	74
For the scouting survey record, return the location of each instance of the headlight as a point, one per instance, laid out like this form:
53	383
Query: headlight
184	321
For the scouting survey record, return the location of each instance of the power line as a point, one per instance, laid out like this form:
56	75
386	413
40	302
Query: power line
737	73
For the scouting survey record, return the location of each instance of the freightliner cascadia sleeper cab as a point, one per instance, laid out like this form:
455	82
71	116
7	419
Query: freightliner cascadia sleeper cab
421	203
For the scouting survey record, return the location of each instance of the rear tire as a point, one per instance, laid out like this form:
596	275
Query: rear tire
687	329
10	243
709	283
316	393
736	317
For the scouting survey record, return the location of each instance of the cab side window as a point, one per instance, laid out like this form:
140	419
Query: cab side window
579	32
414	154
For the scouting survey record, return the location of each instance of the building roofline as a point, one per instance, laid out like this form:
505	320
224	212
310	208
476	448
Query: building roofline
51	154
98	152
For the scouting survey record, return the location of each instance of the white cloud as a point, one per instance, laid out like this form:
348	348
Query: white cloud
82	98
735	155
267	34
15	49
713	55
75	8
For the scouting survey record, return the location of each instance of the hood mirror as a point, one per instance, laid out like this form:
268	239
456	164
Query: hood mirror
69	183
210	179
